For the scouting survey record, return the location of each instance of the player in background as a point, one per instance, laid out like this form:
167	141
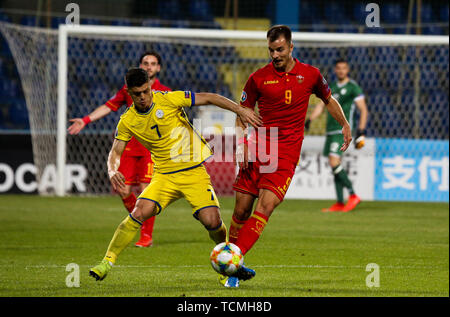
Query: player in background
136	162
282	90
350	96
157	119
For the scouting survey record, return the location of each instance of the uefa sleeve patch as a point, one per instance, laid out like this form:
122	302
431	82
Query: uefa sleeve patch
243	96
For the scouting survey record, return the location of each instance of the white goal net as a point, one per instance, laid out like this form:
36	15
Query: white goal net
404	78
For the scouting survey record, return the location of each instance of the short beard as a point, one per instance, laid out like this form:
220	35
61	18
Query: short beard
281	69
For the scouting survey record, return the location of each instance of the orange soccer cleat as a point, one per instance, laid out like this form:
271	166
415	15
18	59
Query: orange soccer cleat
144	242
352	202
336	207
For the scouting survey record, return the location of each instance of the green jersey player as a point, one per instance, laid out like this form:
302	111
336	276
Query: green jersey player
350	96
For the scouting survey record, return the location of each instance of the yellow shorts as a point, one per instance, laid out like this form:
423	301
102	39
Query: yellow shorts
193	184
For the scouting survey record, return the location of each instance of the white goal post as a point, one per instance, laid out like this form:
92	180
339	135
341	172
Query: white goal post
66	31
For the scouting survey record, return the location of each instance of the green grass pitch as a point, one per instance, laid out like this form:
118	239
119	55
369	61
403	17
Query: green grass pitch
302	252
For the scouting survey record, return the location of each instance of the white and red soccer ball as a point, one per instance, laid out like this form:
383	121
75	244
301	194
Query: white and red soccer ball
226	258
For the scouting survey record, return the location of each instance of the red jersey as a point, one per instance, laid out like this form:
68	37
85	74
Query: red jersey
283	100
133	148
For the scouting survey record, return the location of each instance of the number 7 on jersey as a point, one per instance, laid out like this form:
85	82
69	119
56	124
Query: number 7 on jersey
157	130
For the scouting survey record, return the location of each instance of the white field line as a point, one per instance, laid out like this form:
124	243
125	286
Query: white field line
316	266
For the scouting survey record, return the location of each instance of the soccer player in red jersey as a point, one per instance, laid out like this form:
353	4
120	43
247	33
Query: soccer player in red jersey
135	164
282	90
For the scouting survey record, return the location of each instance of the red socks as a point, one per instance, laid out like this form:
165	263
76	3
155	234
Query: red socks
147	227
235	227
129	202
251	231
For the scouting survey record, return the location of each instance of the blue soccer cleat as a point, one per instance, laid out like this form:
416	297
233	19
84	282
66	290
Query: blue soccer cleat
229	281
244	274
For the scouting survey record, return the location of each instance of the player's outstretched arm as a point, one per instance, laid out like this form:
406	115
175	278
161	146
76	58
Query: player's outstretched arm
116	177
247	115
335	109
78	124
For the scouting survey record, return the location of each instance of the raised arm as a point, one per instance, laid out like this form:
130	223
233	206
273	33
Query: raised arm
245	114
78	124
116	177
335	109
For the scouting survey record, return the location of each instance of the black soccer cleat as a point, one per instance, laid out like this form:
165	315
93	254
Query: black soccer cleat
244	273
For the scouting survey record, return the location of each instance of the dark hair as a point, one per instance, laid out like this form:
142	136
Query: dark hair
136	77
151	53
340	60
279	30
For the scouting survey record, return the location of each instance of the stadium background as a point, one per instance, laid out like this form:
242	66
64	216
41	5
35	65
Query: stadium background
303	252
390	95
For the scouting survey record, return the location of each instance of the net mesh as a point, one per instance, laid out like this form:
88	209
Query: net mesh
406	86
35	54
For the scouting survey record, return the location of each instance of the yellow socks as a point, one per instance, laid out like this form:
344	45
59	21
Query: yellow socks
218	234
124	234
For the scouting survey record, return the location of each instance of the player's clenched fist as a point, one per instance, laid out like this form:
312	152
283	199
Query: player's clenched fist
117	180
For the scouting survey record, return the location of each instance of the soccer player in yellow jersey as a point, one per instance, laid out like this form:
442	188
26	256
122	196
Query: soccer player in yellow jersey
157	120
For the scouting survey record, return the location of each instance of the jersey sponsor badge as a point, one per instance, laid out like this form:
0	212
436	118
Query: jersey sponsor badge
159	113
243	96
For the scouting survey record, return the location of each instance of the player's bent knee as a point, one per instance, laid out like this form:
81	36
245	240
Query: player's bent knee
266	208
267	202
334	161
144	209
242	212
243	207
210	217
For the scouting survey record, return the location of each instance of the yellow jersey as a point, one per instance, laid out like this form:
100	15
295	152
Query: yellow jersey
166	132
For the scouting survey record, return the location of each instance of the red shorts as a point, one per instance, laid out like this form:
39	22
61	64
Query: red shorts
251	180
136	169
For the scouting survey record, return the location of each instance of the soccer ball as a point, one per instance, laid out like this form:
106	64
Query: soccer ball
226	258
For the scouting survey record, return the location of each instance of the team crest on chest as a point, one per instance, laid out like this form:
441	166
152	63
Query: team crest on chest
343	91
300	79
159	113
